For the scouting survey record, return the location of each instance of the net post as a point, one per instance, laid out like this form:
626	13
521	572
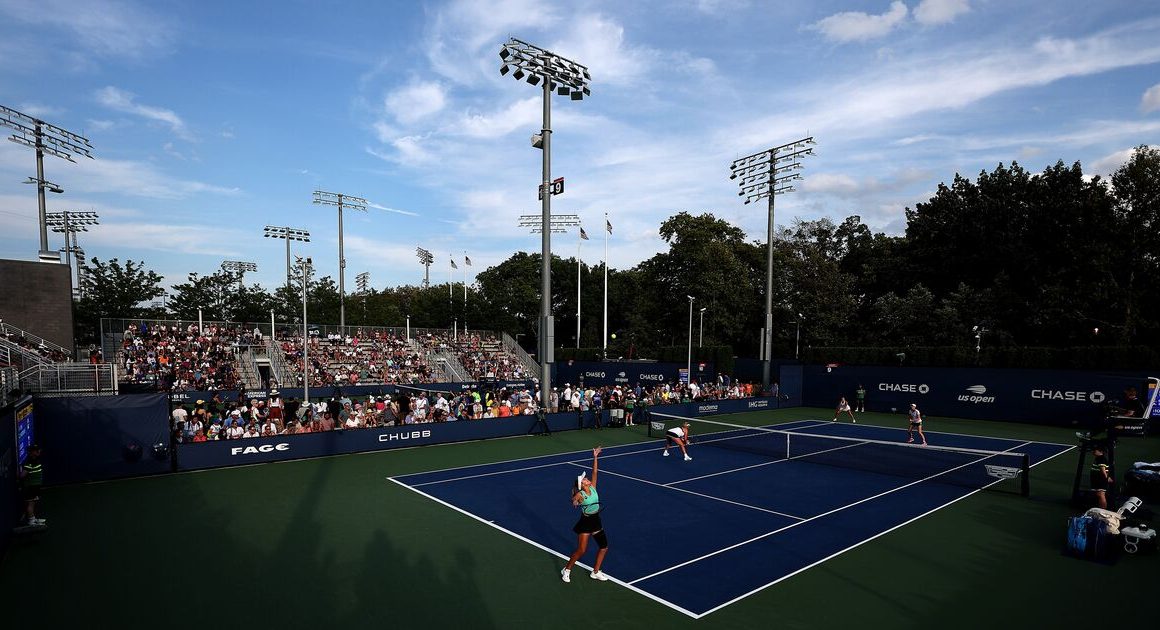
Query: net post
1025	483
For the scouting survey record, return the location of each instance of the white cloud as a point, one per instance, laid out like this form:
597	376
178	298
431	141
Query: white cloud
860	105
464	31
1111	163
38	110
416	101
122	101
852	26
523	114
1150	102
935	12
395	210
102	27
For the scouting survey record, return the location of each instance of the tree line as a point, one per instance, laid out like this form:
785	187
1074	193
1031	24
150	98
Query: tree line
1056	269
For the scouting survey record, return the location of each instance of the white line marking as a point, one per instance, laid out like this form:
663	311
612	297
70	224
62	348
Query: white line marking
543	548
706	496
835	510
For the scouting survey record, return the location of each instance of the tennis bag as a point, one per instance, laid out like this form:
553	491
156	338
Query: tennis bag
1089	538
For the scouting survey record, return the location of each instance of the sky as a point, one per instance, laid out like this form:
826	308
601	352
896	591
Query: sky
211	120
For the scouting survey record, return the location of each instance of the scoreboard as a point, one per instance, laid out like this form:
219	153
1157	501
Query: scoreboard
24	430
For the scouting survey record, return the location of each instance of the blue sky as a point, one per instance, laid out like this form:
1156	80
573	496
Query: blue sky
210	120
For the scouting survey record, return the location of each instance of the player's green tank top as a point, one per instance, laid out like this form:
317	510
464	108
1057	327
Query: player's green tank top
590	504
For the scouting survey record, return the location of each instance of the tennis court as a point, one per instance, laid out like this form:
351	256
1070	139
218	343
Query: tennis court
754	507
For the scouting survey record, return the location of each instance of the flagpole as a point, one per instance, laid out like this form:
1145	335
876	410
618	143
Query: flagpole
604	353
466	262
579	240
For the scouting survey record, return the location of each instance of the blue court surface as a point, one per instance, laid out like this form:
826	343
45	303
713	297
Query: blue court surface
742	516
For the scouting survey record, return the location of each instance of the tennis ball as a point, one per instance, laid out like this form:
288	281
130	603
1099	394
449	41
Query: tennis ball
614	335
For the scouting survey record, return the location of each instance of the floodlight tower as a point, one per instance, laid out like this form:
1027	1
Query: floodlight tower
426	258
567	78
239	267
306	265
362	281
768	174
342	201
45	138
290	234
69	223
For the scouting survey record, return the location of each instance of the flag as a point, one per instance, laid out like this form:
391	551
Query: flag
467	260
583	234
453	265
608	226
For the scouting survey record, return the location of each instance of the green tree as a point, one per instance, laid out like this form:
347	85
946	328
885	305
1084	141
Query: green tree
115	290
1137	189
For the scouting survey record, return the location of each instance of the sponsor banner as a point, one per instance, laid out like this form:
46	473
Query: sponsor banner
628	374
1057	397
285	447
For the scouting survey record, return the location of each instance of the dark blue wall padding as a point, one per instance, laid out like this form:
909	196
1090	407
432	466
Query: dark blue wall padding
102	437
1054	397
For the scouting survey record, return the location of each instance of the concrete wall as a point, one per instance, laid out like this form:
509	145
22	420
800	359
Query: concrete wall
37	297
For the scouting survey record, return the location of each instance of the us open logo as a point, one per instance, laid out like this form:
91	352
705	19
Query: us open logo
976	395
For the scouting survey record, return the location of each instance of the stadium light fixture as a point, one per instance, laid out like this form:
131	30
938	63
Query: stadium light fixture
767	174
239	267
50	139
69	223
289	234
426	259
341	201
701	331
564	76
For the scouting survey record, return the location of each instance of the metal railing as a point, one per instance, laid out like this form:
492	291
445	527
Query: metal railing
70	379
22	357
248	365
277	361
10	330
530	365
453	370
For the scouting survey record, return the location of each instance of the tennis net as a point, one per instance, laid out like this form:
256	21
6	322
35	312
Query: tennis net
964	467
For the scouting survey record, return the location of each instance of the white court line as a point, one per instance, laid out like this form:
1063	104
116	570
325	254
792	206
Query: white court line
511	470
644	448
776	461
650	446
863	542
812	518
705	496
542	547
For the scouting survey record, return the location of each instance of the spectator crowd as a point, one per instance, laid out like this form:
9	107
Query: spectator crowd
216	419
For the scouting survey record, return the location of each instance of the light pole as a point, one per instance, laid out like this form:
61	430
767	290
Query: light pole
571	79
701	332
290	234
69	223
239	267
408	329
45	138
979	330
342	201
306	264
689	367
797	344
425	259
767	174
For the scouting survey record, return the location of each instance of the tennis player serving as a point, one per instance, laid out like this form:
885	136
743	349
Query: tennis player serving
585	497
680	437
